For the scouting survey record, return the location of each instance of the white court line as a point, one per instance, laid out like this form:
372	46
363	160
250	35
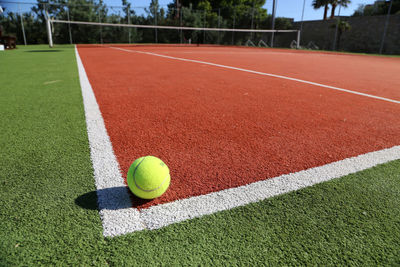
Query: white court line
116	212
262	73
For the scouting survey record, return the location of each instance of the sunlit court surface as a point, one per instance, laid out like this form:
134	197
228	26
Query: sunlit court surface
235	125
200	133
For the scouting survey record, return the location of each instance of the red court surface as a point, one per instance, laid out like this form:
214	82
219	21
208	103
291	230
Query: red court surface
219	128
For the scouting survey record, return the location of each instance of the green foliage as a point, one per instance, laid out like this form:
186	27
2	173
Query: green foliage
335	3
317	4
342	26
33	27
378	8
240	14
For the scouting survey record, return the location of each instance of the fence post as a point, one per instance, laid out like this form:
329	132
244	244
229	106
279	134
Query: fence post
204	25
252	20
155	23
273	22
336	30
219	24
22	23
69	27
385	29
301	25
181	23
233	26
129	22
101	30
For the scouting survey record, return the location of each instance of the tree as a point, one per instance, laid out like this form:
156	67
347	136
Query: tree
317	4
343	26
378	8
335	3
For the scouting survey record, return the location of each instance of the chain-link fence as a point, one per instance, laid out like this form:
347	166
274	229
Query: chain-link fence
27	22
368	30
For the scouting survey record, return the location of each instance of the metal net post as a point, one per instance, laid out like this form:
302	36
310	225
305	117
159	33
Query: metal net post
48	27
298	40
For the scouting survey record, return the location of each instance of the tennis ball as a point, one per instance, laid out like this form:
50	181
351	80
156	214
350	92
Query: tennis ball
148	177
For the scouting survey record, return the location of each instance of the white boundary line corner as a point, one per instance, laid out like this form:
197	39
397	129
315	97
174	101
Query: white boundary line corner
116	212
119	217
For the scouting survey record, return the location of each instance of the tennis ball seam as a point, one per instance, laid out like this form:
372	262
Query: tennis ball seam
146	190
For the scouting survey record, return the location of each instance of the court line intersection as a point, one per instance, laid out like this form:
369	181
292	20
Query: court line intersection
115	207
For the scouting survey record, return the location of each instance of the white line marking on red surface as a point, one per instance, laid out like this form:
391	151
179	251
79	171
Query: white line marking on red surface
119	217
261	73
116	212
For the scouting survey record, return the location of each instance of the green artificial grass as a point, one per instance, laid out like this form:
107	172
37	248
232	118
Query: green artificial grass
45	169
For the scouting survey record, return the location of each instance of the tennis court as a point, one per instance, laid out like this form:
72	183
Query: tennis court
278	122
225	117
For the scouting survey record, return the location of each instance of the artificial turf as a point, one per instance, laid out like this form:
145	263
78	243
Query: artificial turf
48	215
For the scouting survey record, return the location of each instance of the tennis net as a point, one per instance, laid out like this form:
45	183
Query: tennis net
66	31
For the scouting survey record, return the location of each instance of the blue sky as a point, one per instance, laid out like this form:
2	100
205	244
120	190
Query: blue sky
285	8
293	8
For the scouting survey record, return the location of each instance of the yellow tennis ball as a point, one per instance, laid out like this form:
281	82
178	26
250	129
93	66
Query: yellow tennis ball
148	177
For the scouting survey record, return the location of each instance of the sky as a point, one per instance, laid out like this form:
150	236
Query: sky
285	8
293	9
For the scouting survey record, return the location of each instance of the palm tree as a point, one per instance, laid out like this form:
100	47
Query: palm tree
317	4
335	3
342	26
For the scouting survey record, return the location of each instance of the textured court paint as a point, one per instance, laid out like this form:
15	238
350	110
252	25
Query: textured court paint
173	212
116	213
262	73
217	128
119	218
362	73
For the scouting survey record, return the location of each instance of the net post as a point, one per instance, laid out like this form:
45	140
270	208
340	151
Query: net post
298	39
48	27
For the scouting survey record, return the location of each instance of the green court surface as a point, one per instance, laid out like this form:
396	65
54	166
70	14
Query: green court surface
45	168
